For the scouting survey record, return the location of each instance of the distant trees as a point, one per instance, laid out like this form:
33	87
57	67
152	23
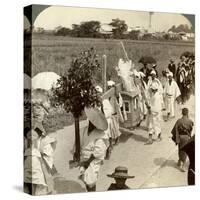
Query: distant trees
181	28
62	31
134	34
120	27
90	29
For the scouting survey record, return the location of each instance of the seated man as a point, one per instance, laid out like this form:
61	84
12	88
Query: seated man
120	175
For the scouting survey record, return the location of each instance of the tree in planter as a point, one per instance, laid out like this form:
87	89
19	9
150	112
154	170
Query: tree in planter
76	90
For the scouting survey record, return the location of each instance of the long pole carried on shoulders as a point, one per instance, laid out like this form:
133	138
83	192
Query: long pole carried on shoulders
124	50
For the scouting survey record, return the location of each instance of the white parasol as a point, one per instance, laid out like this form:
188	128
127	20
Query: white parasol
45	80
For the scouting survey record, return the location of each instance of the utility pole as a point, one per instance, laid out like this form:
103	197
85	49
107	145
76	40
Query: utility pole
150	18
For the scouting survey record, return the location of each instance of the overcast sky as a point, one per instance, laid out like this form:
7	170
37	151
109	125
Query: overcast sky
66	16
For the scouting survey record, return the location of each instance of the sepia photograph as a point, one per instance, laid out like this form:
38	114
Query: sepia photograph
109	99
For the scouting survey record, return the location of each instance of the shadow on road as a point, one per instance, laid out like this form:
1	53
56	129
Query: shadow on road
163	162
126	136
61	186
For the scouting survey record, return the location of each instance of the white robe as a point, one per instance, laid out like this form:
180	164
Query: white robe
96	143
160	88
108	110
154	117
171	92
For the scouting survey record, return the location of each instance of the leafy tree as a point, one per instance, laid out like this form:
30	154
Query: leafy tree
63	31
90	29
134	34
76	90
87	29
76	31
120	27
181	28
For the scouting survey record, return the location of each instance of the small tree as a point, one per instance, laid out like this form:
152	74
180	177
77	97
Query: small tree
76	90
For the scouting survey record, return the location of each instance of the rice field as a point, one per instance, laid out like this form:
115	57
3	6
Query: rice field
54	53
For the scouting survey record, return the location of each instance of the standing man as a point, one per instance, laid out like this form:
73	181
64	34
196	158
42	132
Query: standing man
154	114
146	70
171	93
154	79
154	66
181	134
172	67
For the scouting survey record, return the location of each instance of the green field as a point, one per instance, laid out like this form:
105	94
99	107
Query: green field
54	53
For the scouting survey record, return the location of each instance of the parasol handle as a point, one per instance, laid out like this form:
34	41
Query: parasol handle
126	55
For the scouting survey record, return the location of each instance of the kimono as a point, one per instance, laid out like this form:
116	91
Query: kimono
95	144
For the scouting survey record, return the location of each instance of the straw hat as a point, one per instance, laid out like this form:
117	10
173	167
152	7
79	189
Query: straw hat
97	118
120	172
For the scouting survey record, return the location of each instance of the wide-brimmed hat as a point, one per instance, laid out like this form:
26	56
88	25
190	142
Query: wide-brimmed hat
97	118
120	172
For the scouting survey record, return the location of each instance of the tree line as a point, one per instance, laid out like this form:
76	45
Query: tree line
119	30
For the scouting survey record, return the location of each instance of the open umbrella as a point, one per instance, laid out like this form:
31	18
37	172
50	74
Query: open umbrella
147	60
45	80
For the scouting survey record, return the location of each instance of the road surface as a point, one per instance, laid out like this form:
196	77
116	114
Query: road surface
152	165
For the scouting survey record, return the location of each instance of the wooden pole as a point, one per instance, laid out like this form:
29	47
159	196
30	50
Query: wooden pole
77	140
126	55
104	73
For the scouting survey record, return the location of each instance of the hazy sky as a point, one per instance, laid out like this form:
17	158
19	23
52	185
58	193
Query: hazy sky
66	16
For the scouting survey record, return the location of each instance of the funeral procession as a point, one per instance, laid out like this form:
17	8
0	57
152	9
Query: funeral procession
108	104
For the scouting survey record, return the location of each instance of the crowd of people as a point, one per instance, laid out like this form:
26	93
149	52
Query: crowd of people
102	132
155	96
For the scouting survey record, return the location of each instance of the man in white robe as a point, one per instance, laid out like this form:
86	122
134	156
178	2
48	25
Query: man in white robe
171	93
154	113
94	143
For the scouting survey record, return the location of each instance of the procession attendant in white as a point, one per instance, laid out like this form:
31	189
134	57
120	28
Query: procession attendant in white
154	114
171	93
94	144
